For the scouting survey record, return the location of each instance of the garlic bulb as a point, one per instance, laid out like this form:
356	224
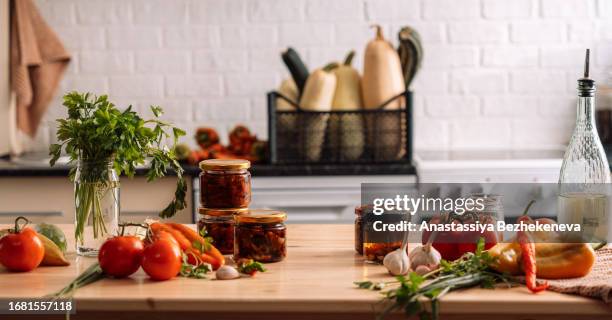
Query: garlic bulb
227	273
426	256
397	262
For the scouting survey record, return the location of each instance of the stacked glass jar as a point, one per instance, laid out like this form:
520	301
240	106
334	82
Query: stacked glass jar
225	195
225	191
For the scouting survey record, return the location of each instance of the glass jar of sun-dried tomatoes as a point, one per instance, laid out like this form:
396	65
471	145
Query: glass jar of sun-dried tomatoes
359	229
225	184
219	225
260	235
377	243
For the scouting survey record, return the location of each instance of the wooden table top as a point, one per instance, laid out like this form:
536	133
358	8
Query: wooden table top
317	275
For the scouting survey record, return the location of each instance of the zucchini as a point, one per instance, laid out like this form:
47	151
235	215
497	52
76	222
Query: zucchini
297	68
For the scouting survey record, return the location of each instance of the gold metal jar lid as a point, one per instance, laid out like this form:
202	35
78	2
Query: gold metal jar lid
225	164
222	212
261	216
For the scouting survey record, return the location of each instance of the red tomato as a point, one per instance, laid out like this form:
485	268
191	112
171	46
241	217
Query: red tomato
121	256
21	250
162	259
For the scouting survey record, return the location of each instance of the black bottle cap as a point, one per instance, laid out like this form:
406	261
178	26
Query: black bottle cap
586	85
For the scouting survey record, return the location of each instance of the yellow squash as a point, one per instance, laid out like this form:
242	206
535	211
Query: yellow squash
383	80
319	90
53	254
318	95
290	91
348	87
382	73
346	131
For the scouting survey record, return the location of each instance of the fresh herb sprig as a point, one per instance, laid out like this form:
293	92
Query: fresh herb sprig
203	246
96	130
198	271
250	267
469	271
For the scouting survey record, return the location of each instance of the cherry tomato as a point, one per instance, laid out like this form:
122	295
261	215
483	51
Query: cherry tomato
21	250
121	256
162	258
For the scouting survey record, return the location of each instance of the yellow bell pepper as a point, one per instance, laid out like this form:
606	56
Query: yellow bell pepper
553	260
507	258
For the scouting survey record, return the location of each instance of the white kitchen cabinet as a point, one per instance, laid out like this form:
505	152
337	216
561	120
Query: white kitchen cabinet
316	199
489	167
536	171
51	199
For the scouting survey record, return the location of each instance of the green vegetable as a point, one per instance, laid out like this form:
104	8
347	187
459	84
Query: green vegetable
90	275
297	68
182	151
54	233
203	246
190	271
469	271
597	246
249	266
96	129
97	132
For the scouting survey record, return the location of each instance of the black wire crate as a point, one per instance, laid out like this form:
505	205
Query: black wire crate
340	137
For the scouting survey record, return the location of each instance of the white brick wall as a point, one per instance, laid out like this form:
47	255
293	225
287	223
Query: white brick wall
496	74
504	9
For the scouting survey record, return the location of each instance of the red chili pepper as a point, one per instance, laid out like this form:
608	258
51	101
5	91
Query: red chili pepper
529	260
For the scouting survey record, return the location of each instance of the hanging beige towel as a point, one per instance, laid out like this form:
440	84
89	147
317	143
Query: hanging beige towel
38	61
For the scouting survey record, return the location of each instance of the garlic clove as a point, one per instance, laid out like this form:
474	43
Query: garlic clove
422	269
227	273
